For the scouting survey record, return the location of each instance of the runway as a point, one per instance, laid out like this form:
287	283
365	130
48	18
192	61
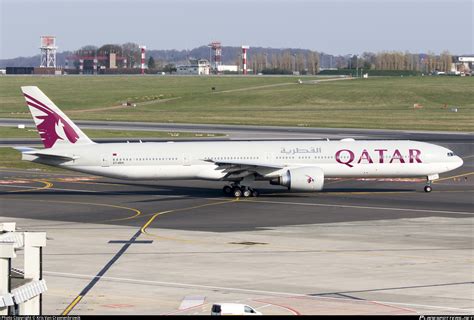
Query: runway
373	246
248	132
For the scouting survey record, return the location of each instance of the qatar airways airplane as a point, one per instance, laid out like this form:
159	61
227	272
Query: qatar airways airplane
297	165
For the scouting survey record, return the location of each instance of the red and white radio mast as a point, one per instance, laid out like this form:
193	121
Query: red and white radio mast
244	59
143	48
217	56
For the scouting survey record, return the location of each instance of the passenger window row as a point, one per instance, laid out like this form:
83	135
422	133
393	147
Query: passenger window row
145	159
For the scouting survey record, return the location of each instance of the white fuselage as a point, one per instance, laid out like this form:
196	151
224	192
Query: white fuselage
193	160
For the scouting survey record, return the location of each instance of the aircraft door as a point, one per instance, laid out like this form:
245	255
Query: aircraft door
105	160
186	160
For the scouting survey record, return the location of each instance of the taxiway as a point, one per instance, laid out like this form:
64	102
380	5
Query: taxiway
367	246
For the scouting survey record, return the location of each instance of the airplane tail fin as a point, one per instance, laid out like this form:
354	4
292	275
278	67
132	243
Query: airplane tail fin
54	127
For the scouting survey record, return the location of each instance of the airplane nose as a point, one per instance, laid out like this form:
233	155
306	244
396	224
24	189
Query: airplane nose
459	162
454	163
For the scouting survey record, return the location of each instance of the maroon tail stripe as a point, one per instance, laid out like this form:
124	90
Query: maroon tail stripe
46	110
38	102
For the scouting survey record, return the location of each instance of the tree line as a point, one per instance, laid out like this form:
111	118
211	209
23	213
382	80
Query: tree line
405	61
309	63
284	61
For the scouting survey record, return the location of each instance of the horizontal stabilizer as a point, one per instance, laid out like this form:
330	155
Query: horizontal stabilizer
45	154
25	149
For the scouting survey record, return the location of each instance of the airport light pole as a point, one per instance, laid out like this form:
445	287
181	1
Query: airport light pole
294	59
357	66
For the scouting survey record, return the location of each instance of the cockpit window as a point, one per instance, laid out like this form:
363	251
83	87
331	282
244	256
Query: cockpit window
450	154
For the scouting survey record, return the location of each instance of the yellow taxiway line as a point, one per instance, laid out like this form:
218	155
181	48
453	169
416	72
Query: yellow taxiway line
71	306
143	229
46	185
137	212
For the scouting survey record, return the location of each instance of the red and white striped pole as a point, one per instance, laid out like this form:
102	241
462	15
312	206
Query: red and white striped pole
81	66
244	59
143	48
95	65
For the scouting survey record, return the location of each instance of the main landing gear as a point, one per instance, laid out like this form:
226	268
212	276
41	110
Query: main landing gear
238	191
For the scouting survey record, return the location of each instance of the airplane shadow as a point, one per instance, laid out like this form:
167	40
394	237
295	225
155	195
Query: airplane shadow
203	192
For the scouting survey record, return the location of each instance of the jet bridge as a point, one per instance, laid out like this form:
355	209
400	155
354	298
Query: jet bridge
21	290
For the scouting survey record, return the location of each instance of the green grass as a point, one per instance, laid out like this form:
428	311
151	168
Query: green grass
379	103
32	133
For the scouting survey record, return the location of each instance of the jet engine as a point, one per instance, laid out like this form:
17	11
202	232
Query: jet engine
301	179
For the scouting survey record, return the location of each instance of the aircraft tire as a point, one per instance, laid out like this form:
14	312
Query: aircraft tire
227	190
237	192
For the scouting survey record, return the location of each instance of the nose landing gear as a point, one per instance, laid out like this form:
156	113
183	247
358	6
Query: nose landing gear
429	180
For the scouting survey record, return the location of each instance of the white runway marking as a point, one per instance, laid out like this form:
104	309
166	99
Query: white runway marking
355	207
58	189
277	293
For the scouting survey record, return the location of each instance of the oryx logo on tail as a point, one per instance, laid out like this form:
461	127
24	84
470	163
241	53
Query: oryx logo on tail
50	123
53	125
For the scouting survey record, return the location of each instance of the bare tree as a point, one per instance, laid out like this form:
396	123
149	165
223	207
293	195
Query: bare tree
300	61
274	61
286	63
132	53
430	62
313	62
445	61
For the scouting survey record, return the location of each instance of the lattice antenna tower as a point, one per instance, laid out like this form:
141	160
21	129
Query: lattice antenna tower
48	52
217	56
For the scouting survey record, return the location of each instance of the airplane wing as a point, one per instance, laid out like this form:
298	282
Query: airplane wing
240	169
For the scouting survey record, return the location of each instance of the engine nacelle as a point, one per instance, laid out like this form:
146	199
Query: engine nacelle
301	179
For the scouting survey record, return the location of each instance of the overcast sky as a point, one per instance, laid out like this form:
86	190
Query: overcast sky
331	26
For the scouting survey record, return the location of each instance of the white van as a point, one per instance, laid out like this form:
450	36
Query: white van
224	309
